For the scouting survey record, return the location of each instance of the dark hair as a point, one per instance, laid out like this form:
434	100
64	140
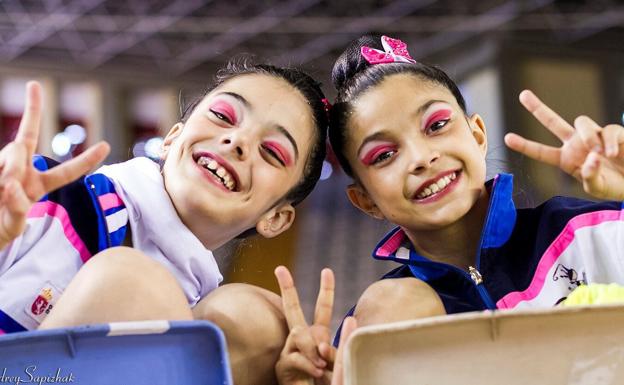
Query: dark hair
311	91
352	75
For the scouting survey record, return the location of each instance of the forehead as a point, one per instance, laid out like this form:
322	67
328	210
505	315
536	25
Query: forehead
394	101
273	101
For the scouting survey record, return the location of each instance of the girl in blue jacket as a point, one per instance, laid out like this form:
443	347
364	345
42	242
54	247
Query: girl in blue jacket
400	129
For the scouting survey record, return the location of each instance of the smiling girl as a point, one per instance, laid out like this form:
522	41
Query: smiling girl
241	159
400	129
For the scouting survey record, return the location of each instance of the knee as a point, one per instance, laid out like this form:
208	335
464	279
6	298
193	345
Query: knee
127	269
399	299
254	326
119	284
236	308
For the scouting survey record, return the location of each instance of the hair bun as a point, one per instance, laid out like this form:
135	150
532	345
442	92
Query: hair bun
351	61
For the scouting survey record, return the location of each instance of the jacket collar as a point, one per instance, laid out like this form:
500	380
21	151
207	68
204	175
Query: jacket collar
499	224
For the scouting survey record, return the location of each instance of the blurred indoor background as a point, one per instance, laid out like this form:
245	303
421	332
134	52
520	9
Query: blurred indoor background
120	70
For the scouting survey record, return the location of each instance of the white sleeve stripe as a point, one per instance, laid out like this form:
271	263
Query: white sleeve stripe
117	220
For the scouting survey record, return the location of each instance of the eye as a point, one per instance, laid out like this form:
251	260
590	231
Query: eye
385	155
438	125
274	153
221	116
379	154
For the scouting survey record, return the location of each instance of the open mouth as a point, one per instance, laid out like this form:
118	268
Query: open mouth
436	187
220	173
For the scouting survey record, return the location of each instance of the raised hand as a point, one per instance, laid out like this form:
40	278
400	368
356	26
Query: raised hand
21	185
592	154
307	357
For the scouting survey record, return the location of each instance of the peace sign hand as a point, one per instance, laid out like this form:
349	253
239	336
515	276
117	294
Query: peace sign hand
308	356
592	154
21	184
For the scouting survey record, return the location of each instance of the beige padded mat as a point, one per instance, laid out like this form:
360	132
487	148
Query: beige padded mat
575	345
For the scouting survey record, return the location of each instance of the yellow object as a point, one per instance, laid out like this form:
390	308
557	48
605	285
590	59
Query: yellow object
595	294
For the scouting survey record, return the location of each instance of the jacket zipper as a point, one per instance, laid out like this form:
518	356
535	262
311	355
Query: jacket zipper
477	279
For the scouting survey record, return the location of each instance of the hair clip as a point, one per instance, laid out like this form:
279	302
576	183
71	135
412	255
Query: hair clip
395	51
327	105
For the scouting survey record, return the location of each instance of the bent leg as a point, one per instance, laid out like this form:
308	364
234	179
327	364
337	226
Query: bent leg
254	326
119	284
400	299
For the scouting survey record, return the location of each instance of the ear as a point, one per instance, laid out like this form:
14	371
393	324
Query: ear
477	127
276	221
360	199
175	131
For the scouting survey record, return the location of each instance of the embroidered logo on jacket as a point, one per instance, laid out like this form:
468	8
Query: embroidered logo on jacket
43	302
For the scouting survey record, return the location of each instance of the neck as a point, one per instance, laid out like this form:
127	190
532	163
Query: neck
457	243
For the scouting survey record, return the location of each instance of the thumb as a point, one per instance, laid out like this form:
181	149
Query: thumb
348	326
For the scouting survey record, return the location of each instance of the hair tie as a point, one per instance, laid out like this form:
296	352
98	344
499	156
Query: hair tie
395	51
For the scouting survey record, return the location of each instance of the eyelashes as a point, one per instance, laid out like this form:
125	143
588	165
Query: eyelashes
278	152
437	120
378	154
224	111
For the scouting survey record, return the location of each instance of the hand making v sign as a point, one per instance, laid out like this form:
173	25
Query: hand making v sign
308	357
21	184
591	153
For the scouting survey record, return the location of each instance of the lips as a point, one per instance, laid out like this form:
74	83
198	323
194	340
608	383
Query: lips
435	188
221	171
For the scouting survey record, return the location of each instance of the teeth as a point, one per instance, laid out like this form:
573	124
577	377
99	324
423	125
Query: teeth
437	186
221	172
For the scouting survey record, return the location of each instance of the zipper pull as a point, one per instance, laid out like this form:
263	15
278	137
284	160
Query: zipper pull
475	275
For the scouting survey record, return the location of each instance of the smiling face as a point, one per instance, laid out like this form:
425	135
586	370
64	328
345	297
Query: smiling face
419	161
238	154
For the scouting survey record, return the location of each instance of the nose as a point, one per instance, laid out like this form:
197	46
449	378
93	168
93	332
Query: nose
423	156
236	142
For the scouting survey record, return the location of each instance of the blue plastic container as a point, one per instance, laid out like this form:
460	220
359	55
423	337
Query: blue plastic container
149	352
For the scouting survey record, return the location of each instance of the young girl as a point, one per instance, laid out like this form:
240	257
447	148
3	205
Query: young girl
400	129
249	150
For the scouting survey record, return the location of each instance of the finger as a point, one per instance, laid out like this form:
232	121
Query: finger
325	299
327	352
69	171
612	137
299	362
290	298
14	161
348	326
545	115
589	132
28	131
303	341
535	150
593	180
17	205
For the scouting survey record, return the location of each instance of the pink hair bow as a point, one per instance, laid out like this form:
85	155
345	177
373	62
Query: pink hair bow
395	51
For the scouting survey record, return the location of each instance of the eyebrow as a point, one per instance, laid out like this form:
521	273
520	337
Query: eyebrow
381	134
238	97
285	132
279	128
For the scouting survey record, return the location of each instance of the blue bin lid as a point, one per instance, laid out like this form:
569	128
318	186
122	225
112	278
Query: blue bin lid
146	352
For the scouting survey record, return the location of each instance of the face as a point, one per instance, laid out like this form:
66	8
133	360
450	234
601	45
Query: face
241	150
419	161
